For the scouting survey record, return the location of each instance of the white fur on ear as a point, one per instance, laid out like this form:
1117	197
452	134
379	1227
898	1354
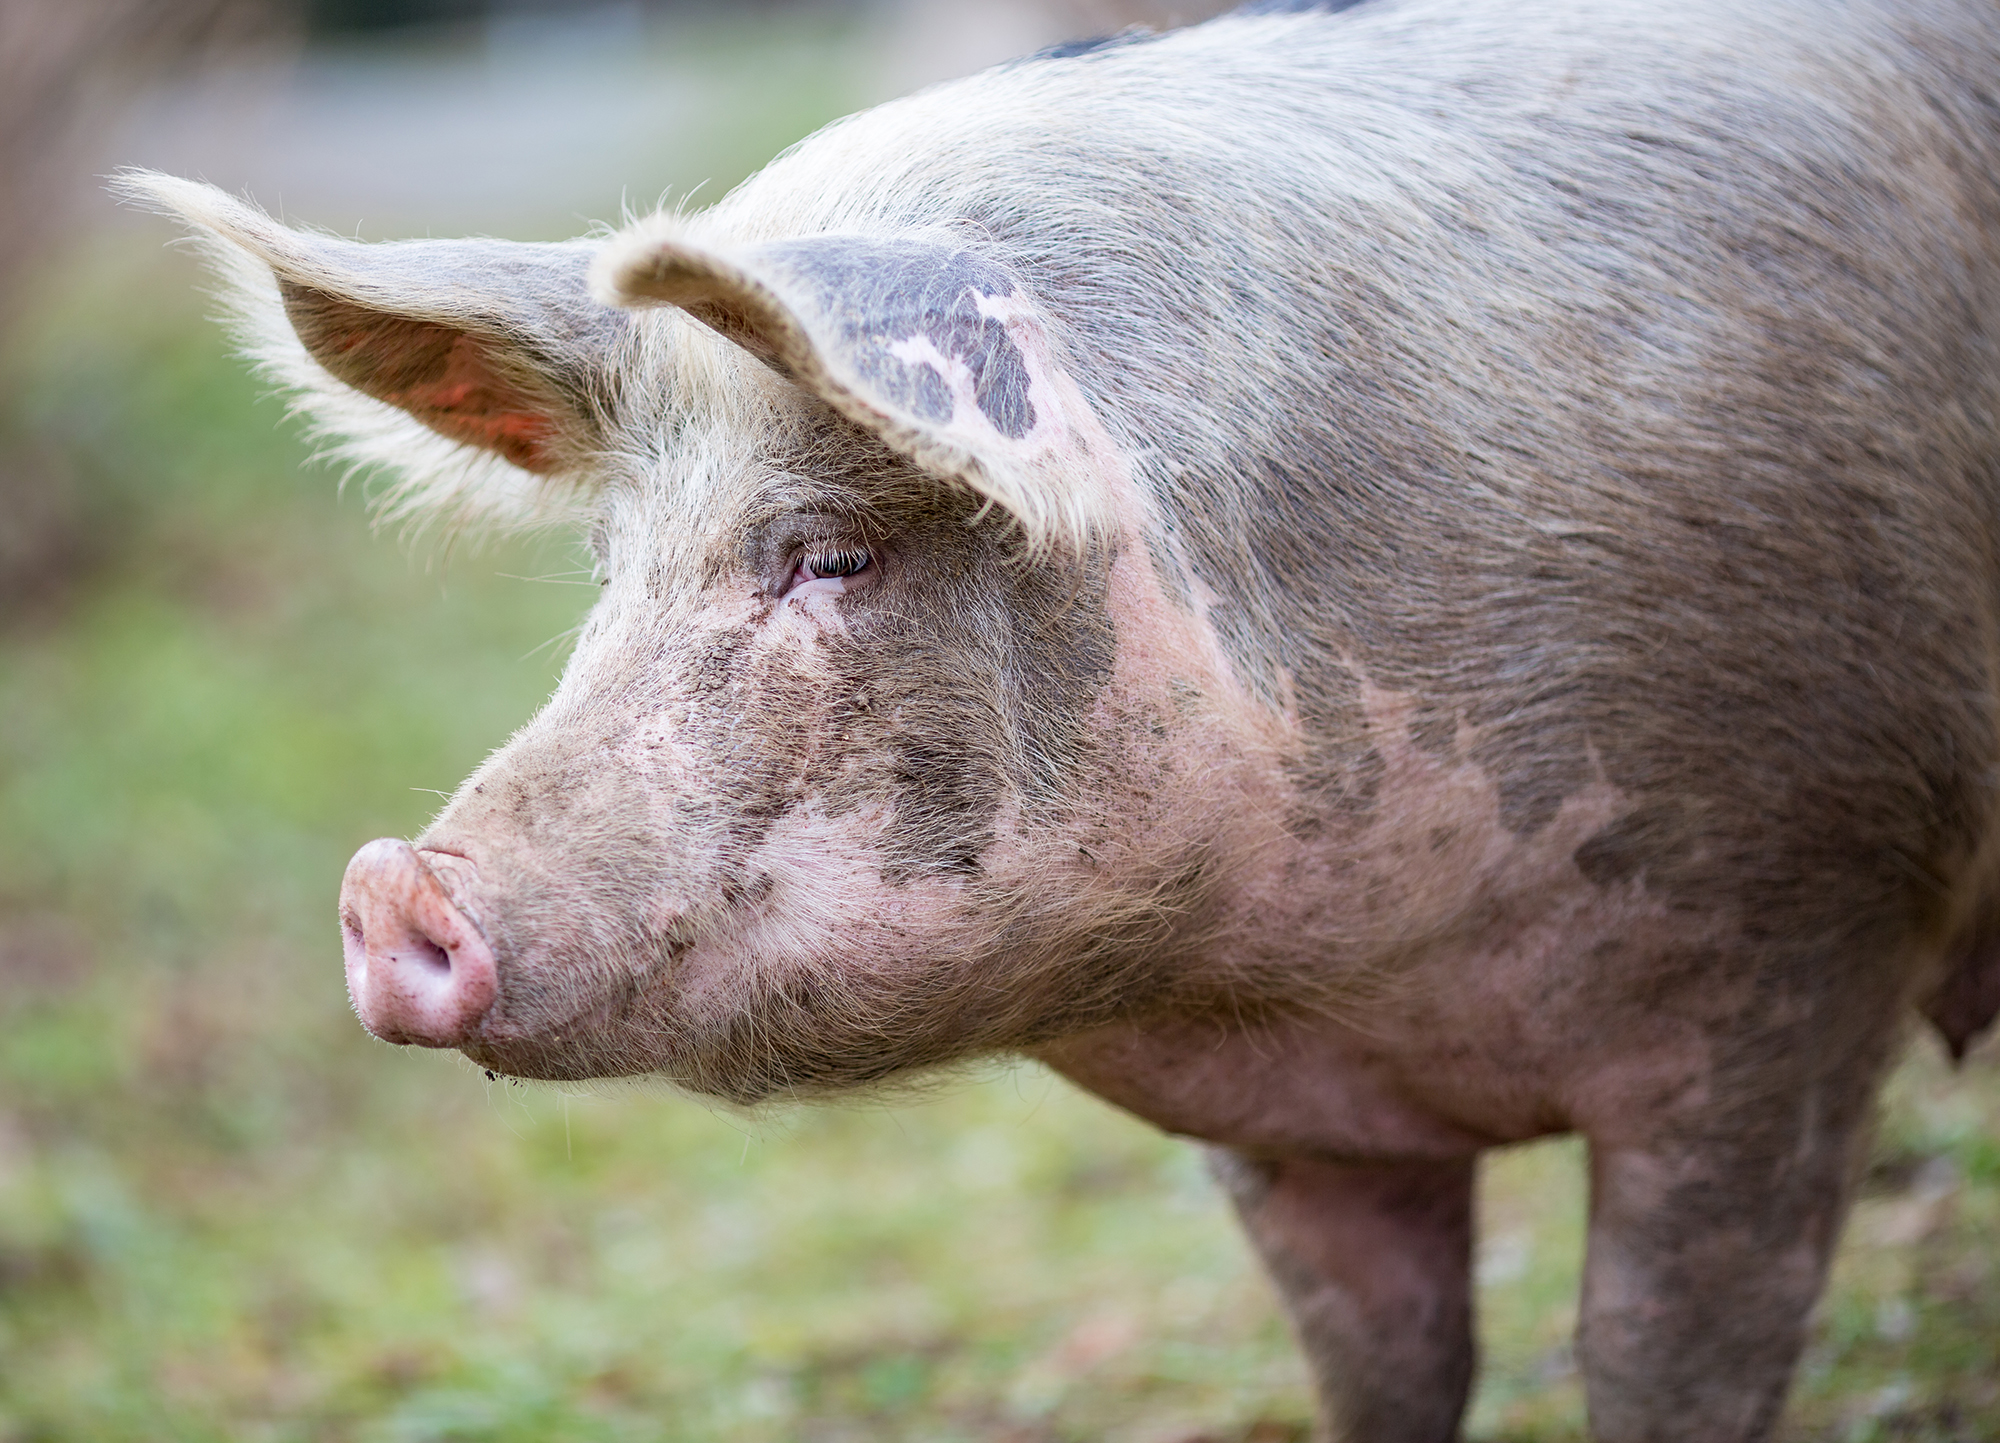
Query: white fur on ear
434	478
923	340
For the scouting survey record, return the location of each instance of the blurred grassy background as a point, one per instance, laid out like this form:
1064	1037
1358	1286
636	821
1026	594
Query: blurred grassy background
226	1213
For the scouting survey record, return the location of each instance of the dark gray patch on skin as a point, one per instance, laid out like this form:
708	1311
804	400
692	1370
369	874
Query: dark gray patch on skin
1343	776
1167	571
1532	787
1433	729
1095	45
1623	849
873	293
1064	646
1296	7
1631	584
1391	586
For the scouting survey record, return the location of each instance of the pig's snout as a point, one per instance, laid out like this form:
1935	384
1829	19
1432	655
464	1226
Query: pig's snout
417	969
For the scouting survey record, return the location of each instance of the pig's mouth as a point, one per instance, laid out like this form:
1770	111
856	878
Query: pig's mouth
418	969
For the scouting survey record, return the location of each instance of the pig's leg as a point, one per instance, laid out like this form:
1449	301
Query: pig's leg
1374	1261
1703	1264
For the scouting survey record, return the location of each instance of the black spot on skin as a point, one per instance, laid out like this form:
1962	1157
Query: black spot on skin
1072	49
1535	774
1063	645
1610	857
1531	801
747	892
1296	7
1173	581
874	294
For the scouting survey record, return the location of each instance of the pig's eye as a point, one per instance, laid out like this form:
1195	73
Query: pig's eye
834	563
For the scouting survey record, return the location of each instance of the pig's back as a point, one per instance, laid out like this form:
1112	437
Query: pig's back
1428	223
1613	380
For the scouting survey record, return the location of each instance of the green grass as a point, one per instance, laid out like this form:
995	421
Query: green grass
226	1213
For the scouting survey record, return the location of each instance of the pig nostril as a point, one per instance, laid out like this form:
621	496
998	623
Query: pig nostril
434	958
418	970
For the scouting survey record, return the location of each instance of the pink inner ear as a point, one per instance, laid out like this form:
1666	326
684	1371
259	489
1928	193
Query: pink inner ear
445	377
468	400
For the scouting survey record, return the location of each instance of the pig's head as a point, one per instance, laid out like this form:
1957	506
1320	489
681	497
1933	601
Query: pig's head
886	742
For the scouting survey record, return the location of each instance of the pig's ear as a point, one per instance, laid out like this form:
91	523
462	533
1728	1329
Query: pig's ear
930	343
472	369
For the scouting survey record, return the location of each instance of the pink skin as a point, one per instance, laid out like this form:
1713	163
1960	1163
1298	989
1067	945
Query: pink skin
418	970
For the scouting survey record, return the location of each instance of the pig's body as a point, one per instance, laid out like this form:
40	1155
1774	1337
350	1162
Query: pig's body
1490	629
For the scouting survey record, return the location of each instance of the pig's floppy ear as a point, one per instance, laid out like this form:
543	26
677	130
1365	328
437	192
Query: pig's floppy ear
473	368
930	343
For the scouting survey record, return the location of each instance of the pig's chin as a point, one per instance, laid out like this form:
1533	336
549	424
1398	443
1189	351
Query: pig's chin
797	1038
602	1039
552	1062
746	1058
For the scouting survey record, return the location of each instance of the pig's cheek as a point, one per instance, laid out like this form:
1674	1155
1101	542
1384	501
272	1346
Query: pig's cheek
824	908
905	929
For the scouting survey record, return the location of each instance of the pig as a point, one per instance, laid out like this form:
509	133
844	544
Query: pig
1366	583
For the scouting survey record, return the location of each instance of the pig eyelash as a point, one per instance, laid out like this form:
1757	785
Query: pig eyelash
835	563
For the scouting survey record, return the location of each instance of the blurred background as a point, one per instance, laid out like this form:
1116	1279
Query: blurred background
225	1212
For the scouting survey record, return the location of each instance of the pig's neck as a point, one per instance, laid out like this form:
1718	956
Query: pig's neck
1399	972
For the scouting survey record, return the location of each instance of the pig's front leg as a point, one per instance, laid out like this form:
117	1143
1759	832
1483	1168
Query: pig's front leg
1703	1264
1374	1261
